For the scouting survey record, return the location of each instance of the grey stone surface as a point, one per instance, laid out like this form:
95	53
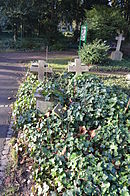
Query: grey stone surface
5	151
2	174
41	104
2	168
116	55
42	70
10	76
77	67
1	182
119	39
4	162
34	68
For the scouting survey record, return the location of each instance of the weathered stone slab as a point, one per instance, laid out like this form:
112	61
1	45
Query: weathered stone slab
34	67
43	69
77	68
116	55
41	104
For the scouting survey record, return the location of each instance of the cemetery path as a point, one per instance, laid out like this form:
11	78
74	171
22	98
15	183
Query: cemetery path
10	76
27	56
11	73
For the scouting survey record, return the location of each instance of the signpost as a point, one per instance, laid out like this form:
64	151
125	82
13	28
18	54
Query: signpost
83	35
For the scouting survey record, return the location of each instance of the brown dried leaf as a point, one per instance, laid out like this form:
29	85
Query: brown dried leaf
82	130
92	133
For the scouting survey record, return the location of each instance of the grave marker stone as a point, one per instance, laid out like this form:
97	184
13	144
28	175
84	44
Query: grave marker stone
40	68
34	67
77	67
41	104
117	55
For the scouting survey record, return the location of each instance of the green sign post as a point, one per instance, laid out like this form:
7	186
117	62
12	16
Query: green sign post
83	35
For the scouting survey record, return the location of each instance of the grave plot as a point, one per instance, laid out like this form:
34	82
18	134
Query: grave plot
79	146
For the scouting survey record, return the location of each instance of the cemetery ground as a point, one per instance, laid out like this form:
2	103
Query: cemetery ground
35	133
12	72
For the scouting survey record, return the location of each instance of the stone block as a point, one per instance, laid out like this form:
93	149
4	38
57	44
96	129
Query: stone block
41	104
116	55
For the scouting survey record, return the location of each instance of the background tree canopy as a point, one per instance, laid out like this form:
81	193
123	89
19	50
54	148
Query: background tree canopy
104	22
41	18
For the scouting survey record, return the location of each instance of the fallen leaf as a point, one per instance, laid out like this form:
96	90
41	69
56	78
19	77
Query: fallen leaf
7	180
92	133
82	130
47	114
23	160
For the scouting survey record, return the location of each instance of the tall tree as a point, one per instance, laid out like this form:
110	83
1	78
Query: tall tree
124	5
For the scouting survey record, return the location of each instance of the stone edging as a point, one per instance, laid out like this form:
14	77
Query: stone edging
5	153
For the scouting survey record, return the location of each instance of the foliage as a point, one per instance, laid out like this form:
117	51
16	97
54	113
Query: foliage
94	53
25	97
104	23
25	19
113	66
119	83
84	152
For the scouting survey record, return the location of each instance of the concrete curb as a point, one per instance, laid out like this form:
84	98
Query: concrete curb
5	153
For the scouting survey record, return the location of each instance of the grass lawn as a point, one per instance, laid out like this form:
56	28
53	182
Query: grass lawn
113	66
60	64
120	83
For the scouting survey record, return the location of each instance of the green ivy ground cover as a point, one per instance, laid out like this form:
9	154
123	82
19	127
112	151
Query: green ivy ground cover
84	152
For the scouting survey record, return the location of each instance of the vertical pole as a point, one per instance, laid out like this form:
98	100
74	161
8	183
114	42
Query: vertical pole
80	39
21	31
46	53
86	34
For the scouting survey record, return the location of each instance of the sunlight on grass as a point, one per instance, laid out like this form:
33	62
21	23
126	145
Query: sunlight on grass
60	64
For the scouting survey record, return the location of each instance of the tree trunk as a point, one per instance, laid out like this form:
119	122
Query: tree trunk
15	32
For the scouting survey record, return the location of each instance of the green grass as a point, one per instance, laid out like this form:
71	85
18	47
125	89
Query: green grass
59	64
113	66
120	83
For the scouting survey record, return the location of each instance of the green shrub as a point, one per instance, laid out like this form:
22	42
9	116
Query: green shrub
94	53
85	152
104	22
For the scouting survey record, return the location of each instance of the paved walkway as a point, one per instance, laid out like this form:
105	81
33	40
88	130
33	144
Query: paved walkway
10	76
